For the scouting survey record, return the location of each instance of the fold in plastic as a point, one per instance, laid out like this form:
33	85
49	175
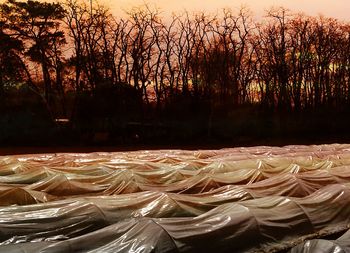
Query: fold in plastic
340	245
259	199
266	224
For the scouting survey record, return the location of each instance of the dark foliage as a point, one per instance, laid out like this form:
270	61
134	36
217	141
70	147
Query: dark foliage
72	76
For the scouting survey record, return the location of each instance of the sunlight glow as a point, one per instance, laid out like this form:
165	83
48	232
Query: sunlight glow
337	9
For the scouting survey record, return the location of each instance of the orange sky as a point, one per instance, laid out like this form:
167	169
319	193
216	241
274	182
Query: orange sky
332	8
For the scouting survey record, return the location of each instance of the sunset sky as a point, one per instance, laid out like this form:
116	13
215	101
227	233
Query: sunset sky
331	8
337	8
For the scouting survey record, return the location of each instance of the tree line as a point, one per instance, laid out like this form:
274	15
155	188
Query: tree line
78	61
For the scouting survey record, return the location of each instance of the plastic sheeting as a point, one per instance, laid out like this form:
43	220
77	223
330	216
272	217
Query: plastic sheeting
341	245
230	200
266	224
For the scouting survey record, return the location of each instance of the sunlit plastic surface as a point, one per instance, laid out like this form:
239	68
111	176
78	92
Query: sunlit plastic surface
258	199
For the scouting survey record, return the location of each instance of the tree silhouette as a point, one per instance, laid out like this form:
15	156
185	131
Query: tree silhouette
37	25
105	72
10	62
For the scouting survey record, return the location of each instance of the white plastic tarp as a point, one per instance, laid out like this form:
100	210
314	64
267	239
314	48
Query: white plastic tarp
259	199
